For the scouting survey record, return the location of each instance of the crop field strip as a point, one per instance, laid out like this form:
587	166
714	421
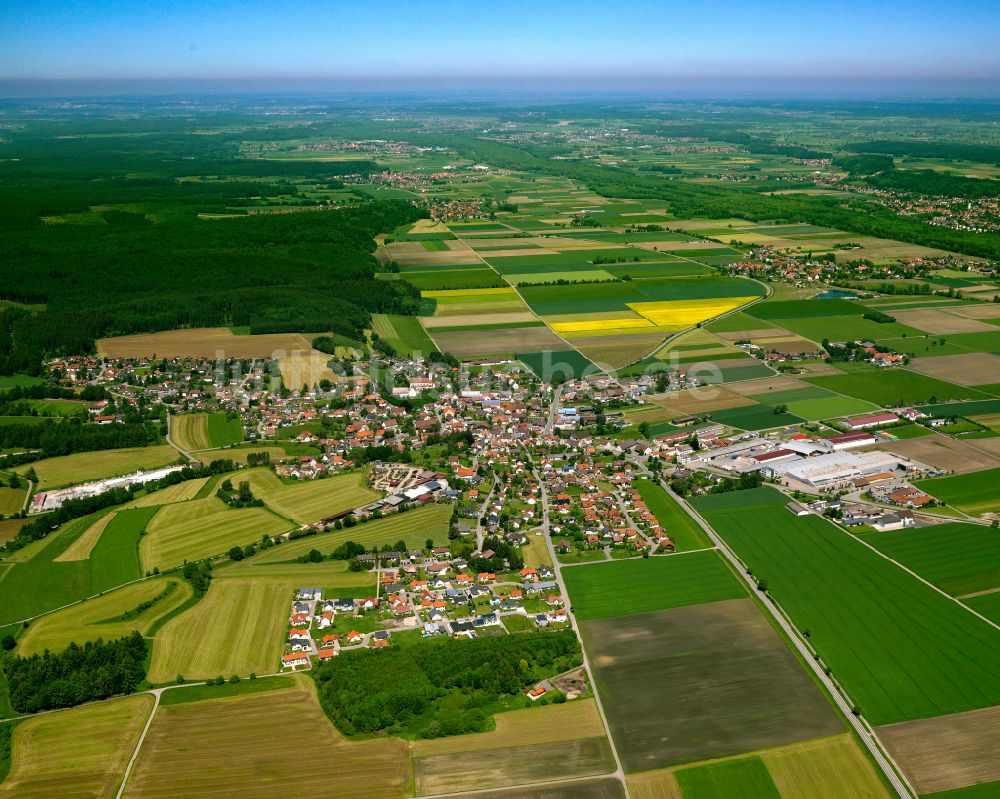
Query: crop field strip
82	467
309	500
901	650
975	493
245	745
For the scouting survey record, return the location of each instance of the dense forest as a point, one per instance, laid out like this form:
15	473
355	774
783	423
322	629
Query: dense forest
103	237
78	674
447	683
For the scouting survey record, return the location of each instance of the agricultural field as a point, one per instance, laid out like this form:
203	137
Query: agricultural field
194	431
80	752
742	777
893	387
901	649
201	528
637	586
82	467
958	558
309	500
945	453
12	500
947	752
721	669
179	492
682	529
300	369
244	745
975	493
413	526
236	629
403	333
204	342
110	615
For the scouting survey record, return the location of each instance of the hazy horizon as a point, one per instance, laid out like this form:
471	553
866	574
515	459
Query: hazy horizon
100	47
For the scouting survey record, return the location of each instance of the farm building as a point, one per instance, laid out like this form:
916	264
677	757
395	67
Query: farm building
871	420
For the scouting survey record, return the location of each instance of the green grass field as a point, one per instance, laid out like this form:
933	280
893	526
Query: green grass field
403	333
414	527
201	528
985	790
682	529
728	779
560	366
957	558
115	557
889	387
761	416
309	500
975	493
440	279
901	650
626	587
110	615
12	500
82	467
223	431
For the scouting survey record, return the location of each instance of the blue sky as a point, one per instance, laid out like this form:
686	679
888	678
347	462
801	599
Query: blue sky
605	43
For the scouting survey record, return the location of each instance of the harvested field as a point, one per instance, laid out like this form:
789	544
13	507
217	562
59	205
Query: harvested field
101	617
236	629
699	400
977	311
82	467
201	528
966	370
201	342
533	725
309	500
84	545
765	385
617	351
244	746
658	784
720	668
305	369
947	752
938	321
79	753
600	788
477	343
942	452
513	765
754	333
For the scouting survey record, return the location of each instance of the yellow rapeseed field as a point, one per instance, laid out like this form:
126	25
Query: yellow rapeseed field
684	313
599	326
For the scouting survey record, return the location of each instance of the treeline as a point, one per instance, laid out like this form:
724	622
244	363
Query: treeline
97	670
369	691
931	181
864	164
165	268
54	437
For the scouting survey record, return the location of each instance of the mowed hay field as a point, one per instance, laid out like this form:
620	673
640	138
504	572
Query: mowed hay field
82	467
635	586
309	500
201	528
76	754
720	668
900	648
412	526
833	768
305	368
201	342
947	752
236	629
254	747
194	431
180	492
533	725
81	548
101	617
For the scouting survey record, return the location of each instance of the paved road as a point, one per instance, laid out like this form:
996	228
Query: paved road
888	767
619	771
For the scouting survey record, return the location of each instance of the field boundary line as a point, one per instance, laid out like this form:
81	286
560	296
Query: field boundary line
519	786
639	557
931	585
